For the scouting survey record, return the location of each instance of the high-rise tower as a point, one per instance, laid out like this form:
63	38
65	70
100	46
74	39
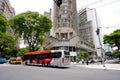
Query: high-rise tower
64	33
65	20
88	22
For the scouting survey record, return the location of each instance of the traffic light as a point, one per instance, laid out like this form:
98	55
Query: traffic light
58	2
98	31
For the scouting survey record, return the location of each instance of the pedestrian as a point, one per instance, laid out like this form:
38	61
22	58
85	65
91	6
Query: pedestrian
87	61
101	61
82	61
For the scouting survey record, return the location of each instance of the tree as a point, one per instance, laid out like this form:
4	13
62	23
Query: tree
22	51
7	42
32	27
116	54
3	23
113	38
83	55
109	54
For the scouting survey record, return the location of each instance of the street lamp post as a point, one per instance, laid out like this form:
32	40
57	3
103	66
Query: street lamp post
98	34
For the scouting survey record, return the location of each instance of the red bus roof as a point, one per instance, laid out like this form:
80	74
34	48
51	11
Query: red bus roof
38	52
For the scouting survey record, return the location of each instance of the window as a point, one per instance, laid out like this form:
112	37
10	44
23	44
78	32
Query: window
66	53
50	55
56	55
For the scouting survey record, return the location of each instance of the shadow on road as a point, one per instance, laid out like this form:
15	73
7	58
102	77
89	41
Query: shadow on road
56	67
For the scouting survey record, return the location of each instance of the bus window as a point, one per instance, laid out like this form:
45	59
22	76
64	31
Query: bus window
42	56
33	57
26	57
56	55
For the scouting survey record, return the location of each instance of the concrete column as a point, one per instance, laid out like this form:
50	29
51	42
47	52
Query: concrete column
59	36
68	35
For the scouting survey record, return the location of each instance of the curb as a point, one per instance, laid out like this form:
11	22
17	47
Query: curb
99	66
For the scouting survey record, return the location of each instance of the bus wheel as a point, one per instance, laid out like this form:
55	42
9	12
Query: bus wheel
48	64
43	64
26	63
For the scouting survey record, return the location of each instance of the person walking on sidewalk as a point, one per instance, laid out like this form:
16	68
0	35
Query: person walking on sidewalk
87	62
82	61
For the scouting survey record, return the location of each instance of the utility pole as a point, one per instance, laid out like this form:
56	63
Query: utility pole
98	34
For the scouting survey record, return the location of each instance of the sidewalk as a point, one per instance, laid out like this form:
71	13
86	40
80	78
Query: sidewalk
98	66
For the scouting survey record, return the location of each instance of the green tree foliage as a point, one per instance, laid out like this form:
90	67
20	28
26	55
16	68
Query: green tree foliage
3	23
116	54
32	27
83	55
7	42
113	38
109	54
22	51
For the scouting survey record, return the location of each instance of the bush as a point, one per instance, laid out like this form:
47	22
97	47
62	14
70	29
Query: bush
83	55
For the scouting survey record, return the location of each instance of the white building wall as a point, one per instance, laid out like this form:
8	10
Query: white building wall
92	15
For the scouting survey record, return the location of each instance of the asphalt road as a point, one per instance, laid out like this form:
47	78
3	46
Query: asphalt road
20	72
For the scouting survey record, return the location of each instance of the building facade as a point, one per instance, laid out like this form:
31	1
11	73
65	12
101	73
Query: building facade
64	33
88	22
8	11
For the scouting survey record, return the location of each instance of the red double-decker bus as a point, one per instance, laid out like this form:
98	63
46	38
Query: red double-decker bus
47	58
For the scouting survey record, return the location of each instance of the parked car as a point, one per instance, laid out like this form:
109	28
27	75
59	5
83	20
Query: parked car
15	61
2	60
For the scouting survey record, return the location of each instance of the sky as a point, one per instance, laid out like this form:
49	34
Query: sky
107	10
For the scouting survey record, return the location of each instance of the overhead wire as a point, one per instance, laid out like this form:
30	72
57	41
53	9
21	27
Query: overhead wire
108	3
99	2
101	6
94	3
91	3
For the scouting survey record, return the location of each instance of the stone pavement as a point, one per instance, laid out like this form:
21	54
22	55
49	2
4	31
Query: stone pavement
98	66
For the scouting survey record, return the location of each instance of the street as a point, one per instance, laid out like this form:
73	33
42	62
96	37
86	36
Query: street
21	72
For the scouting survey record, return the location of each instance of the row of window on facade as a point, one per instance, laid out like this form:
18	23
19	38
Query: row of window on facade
64	36
68	2
69	48
64	18
87	44
65	25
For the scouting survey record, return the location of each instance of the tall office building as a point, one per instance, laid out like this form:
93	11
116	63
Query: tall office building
88	22
64	33
65	20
